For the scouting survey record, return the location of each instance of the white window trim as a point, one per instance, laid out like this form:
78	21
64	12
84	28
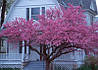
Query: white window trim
36	7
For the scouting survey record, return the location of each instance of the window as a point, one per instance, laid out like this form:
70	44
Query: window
3	46
89	18
43	10
37	11
92	6
34	12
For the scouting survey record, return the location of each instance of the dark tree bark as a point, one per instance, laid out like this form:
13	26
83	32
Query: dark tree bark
0	44
41	49
93	66
3	12
48	65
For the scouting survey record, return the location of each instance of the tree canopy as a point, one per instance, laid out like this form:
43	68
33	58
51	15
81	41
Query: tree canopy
60	31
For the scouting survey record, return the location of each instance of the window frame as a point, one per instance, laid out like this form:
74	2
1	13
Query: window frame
30	13
4	46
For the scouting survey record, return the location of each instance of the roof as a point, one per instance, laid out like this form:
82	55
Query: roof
86	4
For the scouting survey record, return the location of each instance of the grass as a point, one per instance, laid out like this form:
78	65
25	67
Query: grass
84	67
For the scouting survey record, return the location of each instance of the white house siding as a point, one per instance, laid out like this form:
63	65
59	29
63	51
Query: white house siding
13	51
35	2
76	55
13	48
34	56
17	13
20	8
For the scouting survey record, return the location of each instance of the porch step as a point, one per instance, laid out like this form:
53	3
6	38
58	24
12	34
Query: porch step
35	65
25	63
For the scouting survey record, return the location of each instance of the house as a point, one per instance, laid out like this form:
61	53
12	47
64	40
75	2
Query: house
11	55
89	6
96	18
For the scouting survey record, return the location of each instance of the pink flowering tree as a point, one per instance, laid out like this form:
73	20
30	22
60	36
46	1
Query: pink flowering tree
59	32
65	31
19	30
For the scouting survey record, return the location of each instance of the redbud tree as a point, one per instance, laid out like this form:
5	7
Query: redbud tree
58	32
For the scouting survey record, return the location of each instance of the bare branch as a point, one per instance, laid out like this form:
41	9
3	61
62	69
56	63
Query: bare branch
57	55
34	49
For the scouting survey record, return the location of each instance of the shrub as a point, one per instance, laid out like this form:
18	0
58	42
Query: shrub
90	63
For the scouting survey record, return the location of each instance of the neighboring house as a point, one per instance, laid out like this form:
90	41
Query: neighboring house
12	54
89	6
96	18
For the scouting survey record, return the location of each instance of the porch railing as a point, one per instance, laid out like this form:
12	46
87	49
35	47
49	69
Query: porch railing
10	58
13	56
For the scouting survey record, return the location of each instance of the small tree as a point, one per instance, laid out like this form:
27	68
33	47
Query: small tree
92	61
58	32
4	6
19	30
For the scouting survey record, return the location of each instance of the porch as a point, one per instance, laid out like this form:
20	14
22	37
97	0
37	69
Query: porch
15	58
10	58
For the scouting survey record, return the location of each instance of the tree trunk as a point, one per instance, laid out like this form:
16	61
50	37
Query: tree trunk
93	66
48	65
3	12
41	49
0	44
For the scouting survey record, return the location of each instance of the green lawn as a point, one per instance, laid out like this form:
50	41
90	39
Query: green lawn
84	67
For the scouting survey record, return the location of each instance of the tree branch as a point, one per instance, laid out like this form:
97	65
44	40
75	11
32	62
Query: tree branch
57	55
34	49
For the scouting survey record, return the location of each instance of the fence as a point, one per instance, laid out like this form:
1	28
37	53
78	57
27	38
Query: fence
66	65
